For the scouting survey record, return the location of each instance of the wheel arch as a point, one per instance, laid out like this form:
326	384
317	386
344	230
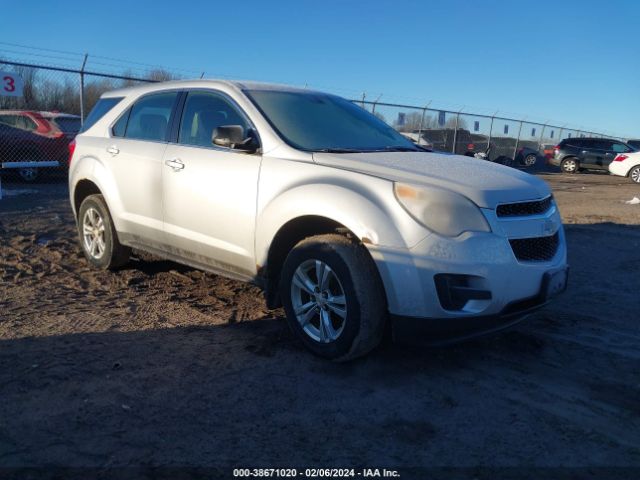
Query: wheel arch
287	237
82	190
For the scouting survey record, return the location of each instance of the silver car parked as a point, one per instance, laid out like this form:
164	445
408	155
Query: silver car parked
338	217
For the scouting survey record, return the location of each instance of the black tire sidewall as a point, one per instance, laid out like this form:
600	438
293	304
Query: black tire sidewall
328	254
97	202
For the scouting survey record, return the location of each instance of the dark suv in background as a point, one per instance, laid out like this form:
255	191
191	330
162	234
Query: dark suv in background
634	143
575	154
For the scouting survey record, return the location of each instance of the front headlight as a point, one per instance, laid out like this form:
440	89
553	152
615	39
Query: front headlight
441	211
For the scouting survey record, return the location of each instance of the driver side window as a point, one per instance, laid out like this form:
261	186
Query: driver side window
203	113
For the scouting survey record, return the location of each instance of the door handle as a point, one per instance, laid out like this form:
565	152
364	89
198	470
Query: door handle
175	163
113	150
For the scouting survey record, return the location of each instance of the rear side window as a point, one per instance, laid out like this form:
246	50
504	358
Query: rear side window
10	120
99	110
149	117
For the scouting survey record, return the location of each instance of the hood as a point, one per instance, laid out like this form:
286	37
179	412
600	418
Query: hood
486	184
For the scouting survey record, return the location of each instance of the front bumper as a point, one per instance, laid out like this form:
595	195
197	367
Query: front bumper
439	332
500	286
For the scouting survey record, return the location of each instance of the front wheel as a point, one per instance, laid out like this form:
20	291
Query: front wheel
634	174
98	237
569	165
333	297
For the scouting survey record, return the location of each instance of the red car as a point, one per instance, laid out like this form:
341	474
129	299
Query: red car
36	137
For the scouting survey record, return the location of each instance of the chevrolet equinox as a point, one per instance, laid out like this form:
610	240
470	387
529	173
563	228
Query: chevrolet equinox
340	219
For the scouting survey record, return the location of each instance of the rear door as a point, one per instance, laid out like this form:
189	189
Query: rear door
134	155
210	192
591	152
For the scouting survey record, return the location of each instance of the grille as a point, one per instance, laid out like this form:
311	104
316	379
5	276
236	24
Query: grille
522	209
537	249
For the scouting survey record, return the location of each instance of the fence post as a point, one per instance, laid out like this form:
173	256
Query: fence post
455	131
424	112
542	135
84	63
490	133
364	95
373	107
515	150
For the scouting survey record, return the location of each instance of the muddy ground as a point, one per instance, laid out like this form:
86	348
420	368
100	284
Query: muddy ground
162	365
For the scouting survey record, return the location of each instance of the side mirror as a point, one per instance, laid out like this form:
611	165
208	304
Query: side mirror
233	136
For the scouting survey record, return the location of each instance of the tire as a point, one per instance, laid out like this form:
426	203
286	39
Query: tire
352	279
570	165
29	174
98	237
634	174
530	160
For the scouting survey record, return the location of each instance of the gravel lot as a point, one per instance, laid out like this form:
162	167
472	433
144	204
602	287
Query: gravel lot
163	365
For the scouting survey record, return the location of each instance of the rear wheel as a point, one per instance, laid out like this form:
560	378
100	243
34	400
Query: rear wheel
333	297
29	174
530	160
570	165
634	174
98	237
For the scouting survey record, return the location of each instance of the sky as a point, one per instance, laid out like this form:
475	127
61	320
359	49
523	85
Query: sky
575	62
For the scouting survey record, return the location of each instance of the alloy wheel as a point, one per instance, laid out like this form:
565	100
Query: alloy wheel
93	233
318	301
28	174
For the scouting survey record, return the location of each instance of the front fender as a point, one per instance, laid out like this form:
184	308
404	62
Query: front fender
365	205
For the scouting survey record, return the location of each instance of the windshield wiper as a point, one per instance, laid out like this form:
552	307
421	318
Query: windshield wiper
339	150
397	148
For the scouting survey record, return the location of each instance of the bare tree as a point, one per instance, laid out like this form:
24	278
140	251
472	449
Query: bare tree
160	75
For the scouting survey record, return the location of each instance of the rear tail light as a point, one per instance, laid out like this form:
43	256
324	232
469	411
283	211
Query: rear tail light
620	157
72	148
470	146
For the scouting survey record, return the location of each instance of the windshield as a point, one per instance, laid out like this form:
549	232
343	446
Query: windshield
326	123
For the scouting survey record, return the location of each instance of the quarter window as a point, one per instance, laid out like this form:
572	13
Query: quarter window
619	147
203	113
26	123
120	127
149	117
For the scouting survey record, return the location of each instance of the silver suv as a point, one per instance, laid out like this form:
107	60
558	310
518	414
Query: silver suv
338	217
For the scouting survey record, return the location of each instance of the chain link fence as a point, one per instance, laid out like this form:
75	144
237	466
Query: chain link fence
507	140
37	127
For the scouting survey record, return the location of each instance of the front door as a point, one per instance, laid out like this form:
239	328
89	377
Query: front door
210	192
